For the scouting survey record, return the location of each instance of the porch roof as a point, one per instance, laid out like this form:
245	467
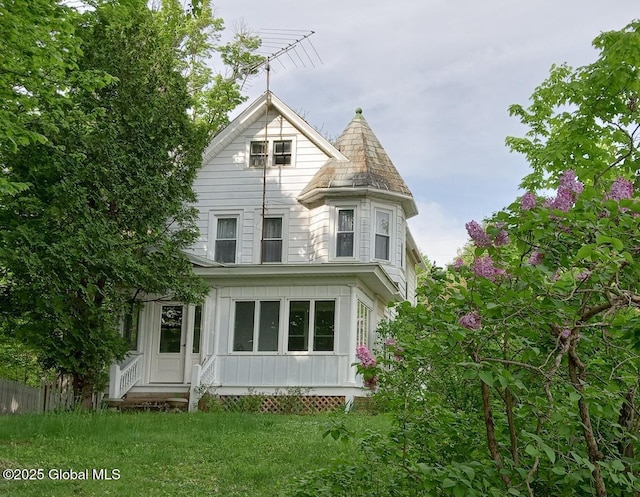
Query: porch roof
373	275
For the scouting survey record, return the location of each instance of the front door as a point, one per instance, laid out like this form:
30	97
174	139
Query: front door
167	362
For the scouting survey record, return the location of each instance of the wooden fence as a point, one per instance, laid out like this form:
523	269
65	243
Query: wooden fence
17	398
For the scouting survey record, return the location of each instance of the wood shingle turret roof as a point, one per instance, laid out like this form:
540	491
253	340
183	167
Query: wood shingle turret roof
368	166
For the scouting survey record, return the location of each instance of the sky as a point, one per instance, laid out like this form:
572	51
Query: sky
435	79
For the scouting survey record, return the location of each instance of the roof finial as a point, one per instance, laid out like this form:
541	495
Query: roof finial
358	112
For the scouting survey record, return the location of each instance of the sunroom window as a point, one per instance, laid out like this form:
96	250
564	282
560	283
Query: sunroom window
256	326
311	325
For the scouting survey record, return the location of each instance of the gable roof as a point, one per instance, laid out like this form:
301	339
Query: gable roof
367	168
256	111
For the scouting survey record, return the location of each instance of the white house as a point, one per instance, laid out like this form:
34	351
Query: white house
303	243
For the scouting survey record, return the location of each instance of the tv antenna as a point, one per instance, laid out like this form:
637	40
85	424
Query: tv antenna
286	46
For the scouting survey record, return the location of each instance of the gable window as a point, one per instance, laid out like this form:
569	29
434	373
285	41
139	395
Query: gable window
257	154
382	235
311	325
226	236
275	153
256	326
345	233
272	240
282	153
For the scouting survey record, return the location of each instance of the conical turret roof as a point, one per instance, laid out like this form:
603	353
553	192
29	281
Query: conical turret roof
368	167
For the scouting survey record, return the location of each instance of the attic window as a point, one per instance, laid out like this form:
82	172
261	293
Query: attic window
276	152
282	153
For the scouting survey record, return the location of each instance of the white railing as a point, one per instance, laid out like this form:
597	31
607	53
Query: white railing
121	380
202	375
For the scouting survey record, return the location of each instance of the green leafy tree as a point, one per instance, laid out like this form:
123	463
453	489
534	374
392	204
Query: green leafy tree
517	373
108	212
37	48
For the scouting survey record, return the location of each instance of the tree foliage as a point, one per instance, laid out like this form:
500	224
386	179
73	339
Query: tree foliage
518	373
109	209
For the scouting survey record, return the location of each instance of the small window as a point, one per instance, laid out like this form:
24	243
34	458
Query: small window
171	329
130	326
345	233
362	324
257	154
197	326
225	247
382	235
282	153
311	324
272	240
256	326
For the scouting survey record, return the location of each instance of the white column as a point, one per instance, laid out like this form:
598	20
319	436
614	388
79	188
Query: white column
353	332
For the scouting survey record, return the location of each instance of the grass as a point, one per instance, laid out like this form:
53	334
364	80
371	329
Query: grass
203	454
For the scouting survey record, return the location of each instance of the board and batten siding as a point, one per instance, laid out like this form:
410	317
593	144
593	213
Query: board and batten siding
226	183
283	369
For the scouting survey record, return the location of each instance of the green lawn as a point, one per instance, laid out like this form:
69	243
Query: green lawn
158	454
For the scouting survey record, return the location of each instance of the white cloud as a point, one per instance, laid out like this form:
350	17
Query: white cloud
437	232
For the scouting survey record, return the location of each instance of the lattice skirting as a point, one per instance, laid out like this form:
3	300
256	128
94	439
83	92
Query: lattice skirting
283	404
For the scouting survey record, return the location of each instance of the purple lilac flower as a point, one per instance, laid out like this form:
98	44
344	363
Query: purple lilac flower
565	333
389	342
484	267
569	182
502	238
535	258
568	190
621	188
477	234
582	275
365	357
458	263
528	201
471	320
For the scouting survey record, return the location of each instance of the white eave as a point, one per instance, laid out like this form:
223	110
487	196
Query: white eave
371	274
317	194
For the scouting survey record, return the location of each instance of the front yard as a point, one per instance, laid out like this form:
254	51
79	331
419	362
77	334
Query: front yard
165	454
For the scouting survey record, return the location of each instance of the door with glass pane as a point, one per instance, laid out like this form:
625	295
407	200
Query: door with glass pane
167	362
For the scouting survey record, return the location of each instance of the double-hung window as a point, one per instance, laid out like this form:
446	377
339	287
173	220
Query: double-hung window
282	153
311	325
345	232
382	234
271	154
257	153
272	240
256	326
226	238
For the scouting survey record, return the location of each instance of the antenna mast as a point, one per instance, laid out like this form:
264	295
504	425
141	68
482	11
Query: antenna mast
272	39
